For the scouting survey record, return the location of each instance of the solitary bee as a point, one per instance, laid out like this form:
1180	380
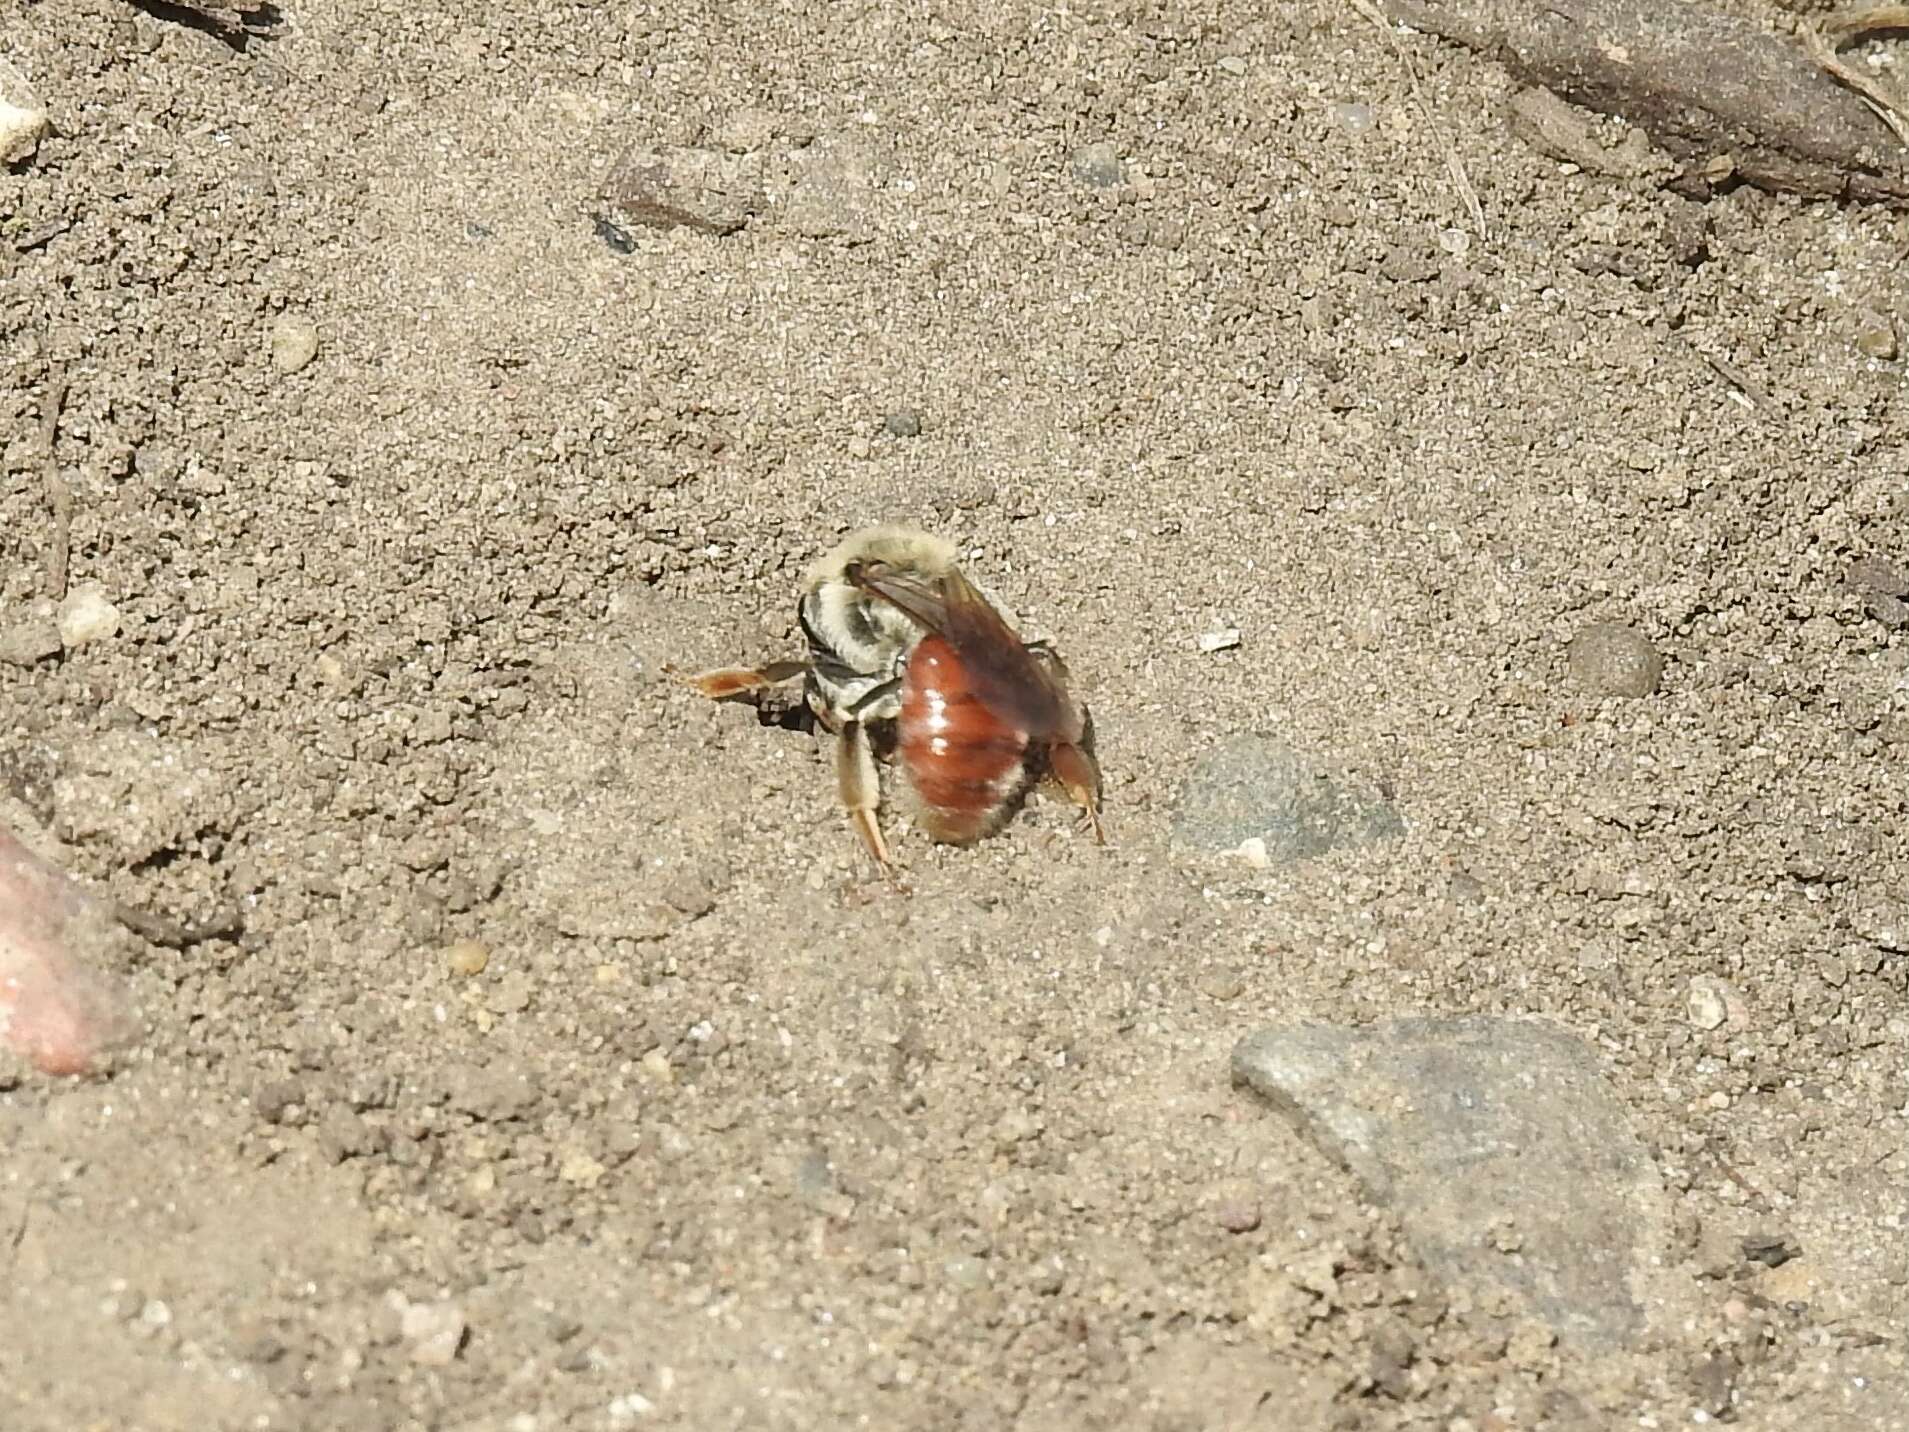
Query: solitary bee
904	648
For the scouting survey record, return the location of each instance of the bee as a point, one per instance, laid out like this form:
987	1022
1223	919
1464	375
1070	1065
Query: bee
982	712
906	654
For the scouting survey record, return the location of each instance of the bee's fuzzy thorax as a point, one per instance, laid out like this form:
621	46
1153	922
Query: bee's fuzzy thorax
891	543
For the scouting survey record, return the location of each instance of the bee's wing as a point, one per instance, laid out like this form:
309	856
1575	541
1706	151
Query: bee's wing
1008	678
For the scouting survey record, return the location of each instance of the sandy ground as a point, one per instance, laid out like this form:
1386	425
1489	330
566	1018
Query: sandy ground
723	1132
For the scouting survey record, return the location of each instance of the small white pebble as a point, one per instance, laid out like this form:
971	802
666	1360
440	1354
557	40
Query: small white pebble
294	343
629	1407
23	119
434	1330
580	1169
1213	641
86	616
656	1066
1253	851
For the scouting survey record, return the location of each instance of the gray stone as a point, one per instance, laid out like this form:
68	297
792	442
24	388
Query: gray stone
835	184
1611	659
1251	787
1097	165
33	638
1878	575
1892	612
294	342
1876	336
671	187
1508	1160
902	423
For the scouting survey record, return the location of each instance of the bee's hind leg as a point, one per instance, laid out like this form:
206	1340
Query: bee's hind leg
861	790
732	681
1074	769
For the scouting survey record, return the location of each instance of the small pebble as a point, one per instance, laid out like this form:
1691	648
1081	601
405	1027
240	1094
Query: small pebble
967	1273
467	957
1892	612
1253	851
435	1332
1226	640
627	1408
23	119
1876	336
580	1170
1237	1215
1610	659
1223	984
656	1065
902	423
1703	1005
512	996
279	1102
294	343
86	616
1354	118
1098	166
1772	1250
618	241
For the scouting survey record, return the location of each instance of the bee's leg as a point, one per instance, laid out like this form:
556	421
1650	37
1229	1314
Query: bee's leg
730	681
1080	778
861	790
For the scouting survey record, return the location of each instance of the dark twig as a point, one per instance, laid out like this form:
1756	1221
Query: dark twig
19	1236
1742	382
173	935
58	494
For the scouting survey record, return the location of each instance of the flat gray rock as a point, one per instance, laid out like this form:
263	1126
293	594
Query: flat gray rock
1506	1156
1611	659
1254	787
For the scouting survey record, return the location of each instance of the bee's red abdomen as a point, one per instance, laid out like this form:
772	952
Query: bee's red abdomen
963	760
